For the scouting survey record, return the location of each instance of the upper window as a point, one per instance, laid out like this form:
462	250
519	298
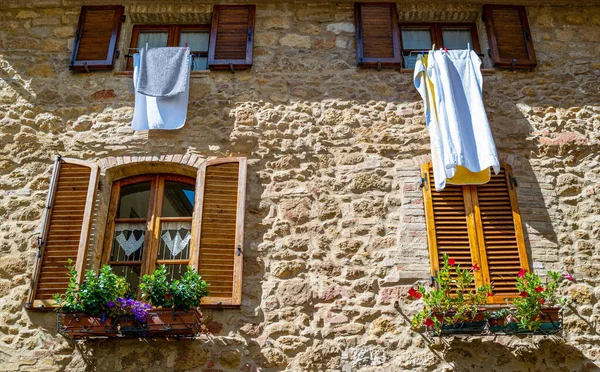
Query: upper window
421	37
196	37
152	219
477	225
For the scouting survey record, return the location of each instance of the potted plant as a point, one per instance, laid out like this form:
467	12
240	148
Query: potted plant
83	307
176	303
130	315
453	305
537	308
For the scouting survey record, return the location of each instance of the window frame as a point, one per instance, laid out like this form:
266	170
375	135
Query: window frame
173	37
153	221
437	36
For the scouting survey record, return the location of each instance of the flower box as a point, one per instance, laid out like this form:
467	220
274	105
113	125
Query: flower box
169	322
551	323
475	325
79	325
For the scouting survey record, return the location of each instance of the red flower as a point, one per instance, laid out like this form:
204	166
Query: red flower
414	293
490	294
429	323
521	273
523	294
168	296
539	289
542	301
451	261
476	267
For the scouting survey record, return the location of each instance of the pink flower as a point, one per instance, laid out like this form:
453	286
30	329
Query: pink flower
523	294
429	323
414	293
476	267
521	273
451	261
539	289
568	276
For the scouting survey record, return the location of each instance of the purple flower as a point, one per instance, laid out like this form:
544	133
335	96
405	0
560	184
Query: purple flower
111	304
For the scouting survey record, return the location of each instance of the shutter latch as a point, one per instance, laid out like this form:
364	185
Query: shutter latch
424	182
513	181
239	250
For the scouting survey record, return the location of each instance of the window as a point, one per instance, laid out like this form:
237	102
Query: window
477	224
419	37
196	37
152	219
150	226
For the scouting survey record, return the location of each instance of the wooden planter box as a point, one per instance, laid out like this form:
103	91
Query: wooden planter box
79	325
160	323
551	319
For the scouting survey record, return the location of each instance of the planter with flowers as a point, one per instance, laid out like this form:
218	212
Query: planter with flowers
453	306
99	307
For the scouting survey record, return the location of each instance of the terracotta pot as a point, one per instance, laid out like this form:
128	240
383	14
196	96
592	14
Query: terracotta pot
169	322
79	325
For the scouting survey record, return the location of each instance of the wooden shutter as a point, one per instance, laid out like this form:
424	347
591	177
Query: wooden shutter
219	228
500	238
65	230
377	35
450	223
231	37
97	34
509	36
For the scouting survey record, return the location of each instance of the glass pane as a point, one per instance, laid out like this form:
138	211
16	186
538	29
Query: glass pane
134	200
154	39
416	38
175	241
175	271
179	199
411	60
128	242
197	40
132	274
199	63
457	38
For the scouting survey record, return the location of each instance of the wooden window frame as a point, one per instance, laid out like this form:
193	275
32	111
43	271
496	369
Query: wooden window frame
153	221
174	35
437	36
475	230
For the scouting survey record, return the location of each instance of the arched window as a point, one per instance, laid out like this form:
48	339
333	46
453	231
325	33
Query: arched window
150	223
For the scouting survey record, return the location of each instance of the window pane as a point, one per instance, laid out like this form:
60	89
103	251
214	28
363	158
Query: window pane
128	242
134	201
175	241
179	199
175	271
199	63
197	40
416	38
457	38
154	39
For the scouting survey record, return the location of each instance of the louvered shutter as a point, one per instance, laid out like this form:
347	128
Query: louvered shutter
219	220
509	36
231	37
500	238
450	224
65	230
377	35
97	34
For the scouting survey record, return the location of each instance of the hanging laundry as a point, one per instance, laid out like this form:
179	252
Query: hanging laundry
161	112
164	72
462	146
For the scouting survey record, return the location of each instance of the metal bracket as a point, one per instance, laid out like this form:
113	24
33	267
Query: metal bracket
239	250
124	18
86	67
118	53
231	68
513	181
512	65
489	53
378	65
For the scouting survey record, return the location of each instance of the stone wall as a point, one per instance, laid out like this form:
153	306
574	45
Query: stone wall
335	230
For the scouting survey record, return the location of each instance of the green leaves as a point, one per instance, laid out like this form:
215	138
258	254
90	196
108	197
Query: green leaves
184	293
534	296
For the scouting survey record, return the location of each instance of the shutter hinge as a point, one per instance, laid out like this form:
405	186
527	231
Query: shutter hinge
423	182
527	36
239	250
124	18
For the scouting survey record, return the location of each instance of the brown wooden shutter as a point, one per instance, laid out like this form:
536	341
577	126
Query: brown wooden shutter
97	34
377	35
219	221
450	224
231	37
509	36
500	238
65	230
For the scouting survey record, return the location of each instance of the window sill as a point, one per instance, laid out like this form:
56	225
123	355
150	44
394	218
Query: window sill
484	71
192	74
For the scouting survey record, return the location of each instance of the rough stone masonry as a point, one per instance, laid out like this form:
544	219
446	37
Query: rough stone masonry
335	229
